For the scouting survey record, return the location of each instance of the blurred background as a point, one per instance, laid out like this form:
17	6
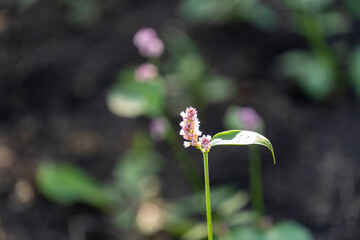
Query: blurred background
89	118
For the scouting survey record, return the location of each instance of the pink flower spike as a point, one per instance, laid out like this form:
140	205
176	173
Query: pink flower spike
190	127
145	72
190	131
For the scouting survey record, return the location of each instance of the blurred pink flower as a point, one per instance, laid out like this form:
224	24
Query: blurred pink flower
148	43
250	119
190	130
144	35
158	128
145	72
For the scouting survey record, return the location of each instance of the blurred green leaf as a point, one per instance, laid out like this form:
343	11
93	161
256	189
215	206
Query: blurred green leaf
241	218
65	183
130	98
83	12
178	43
132	173
308	5
24	4
124	217
354	69
333	22
191	68
232	204
232	118
199	11
217	89
247	232
314	74
263	17
353	6
284	230
239	137
197	232
194	204
215	11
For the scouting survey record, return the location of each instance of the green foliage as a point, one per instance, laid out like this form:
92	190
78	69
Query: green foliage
353	6
186	77
333	22
217	89
217	11
355	70
228	210
135	180
239	137
191	67
130	98
132	173
308	5
24	4
232	119
313	73
190	77
82	12
281	231
66	184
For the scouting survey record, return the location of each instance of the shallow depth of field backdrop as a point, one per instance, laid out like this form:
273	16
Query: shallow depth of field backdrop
88	152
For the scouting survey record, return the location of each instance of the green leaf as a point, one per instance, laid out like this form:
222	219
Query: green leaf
192	68
217	89
197	232
130	98
313	73
214	11
334	22
353	6
233	204
355	70
312	6
132	175
240	137
248	233
66	184
284	229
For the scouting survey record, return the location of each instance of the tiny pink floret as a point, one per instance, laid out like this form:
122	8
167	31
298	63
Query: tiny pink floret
205	143
190	130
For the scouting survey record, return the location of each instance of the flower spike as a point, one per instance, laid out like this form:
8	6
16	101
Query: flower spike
190	130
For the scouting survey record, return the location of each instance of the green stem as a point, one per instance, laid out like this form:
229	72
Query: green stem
207	196
256	191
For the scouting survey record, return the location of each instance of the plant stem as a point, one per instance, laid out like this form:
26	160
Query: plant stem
207	196
256	191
